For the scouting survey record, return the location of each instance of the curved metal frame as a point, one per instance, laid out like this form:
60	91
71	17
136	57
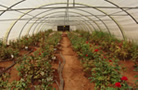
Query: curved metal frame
80	21
12	6
86	26
95	16
76	9
14	24
7	34
123	10
82	25
71	12
47	17
122	32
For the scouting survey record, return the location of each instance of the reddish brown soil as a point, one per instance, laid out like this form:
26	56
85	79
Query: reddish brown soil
13	71
14	74
55	65
128	72
56	78
22	52
73	74
6	64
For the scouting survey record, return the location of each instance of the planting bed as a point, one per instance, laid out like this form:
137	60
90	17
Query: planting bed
69	61
110	63
33	62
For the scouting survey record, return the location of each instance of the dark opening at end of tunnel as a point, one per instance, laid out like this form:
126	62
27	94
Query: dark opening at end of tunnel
63	28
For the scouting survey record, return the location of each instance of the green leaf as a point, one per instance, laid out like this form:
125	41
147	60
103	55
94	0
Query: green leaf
136	76
100	78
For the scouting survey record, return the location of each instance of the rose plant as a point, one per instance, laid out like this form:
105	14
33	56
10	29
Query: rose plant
104	70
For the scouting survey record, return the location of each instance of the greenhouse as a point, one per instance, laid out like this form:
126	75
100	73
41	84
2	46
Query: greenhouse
68	44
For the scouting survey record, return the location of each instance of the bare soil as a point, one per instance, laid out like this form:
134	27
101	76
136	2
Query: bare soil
14	74
129	72
73	74
55	66
13	71
5	64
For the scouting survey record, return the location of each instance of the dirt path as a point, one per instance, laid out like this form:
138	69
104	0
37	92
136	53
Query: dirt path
73	74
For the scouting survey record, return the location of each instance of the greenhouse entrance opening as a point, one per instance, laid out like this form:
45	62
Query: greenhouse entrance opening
63	28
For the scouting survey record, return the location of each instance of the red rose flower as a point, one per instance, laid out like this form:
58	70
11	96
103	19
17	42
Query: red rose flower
34	49
86	55
110	60
124	78
104	57
87	42
39	53
96	50
118	84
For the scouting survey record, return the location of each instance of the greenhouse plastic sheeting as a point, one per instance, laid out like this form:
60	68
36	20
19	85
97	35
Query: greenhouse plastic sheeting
25	17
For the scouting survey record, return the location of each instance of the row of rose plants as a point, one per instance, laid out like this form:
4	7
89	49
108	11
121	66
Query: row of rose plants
11	50
102	69
120	49
35	70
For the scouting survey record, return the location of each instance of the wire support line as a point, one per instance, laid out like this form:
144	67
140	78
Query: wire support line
59	17
105	7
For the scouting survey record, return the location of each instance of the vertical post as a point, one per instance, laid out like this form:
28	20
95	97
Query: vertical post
73	3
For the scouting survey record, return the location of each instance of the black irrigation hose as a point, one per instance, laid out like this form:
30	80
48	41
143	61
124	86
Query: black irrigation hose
14	63
61	87
6	60
60	69
12	59
8	68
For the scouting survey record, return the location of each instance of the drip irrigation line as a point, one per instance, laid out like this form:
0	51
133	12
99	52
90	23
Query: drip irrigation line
61	66
7	68
6	60
60	69
14	63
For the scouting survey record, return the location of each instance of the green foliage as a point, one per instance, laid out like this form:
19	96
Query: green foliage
4	80
103	74
121	49
35	69
29	40
5	53
103	70
15	46
1	43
